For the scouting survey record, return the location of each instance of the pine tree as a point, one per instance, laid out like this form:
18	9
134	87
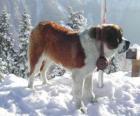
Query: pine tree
24	32
76	20
7	44
3	66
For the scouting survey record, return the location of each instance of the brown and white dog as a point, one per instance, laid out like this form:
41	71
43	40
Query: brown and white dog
51	43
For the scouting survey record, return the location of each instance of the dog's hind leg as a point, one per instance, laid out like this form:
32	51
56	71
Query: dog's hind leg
44	69
35	66
30	81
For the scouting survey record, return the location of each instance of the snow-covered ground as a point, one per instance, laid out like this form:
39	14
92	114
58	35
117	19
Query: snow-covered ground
119	97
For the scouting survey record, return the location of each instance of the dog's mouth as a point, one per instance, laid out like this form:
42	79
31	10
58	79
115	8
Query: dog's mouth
125	47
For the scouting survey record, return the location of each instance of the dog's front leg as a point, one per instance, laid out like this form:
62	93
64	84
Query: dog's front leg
88	94
78	92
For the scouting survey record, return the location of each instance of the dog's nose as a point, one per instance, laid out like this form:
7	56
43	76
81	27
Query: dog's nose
127	44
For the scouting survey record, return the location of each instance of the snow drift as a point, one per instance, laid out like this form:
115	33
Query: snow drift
119	97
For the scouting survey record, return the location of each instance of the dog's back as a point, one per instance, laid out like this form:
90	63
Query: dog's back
60	44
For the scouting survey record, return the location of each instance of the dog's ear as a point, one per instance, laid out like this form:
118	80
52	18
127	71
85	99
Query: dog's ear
93	32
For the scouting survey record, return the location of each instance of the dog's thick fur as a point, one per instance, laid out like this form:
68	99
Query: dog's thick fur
78	52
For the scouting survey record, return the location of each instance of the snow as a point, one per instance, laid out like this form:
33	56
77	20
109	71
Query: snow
120	96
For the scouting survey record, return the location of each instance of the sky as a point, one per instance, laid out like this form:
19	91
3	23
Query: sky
122	12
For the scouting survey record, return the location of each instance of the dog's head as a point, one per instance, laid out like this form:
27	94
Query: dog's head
112	36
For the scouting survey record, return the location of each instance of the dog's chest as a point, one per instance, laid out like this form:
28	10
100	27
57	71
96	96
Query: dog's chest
91	51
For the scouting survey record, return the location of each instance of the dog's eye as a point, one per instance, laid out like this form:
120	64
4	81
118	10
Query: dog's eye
119	40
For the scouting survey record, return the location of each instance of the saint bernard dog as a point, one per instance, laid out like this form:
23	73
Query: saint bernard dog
77	51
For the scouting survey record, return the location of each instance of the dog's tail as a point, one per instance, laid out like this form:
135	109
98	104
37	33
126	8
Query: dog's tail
33	53
36	44
29	53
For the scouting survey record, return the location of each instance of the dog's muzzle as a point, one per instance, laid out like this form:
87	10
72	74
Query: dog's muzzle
125	47
127	44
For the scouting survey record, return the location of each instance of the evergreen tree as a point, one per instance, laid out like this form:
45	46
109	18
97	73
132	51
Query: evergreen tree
24	32
76	20
7	44
3	66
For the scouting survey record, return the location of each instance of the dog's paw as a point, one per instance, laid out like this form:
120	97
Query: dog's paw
89	98
93	100
81	107
30	87
44	82
83	110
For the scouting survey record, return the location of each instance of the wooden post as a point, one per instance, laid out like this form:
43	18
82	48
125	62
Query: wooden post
103	21
135	68
103	11
134	55
100	79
